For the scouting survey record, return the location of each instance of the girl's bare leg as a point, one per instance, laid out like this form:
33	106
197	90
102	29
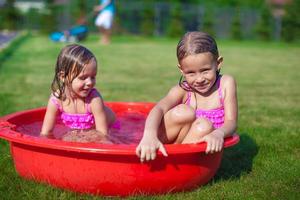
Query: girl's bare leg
199	128
105	35
176	124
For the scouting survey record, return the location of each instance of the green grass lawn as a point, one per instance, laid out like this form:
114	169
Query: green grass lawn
264	165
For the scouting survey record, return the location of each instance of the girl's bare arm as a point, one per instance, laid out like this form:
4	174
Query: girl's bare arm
49	119
98	110
147	147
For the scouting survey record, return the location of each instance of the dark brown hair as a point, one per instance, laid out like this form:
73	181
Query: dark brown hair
70	62
196	42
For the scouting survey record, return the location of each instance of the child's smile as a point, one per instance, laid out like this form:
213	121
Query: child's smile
200	71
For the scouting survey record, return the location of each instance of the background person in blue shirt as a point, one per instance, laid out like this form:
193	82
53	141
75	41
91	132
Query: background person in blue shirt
104	20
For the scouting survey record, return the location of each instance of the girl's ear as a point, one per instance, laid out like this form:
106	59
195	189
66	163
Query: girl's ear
219	62
179	67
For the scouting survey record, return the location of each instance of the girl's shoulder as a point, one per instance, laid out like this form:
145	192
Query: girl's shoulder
227	81
177	89
94	96
177	93
54	97
174	97
227	85
55	100
94	101
94	93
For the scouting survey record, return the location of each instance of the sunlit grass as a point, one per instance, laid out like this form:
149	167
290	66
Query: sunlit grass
265	164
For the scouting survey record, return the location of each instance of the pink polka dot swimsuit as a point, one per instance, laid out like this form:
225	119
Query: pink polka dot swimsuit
216	116
78	120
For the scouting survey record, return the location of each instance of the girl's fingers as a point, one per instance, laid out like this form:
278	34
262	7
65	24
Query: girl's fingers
153	155
208	147
163	150
220	146
148	154
217	147
213	147
138	151
143	155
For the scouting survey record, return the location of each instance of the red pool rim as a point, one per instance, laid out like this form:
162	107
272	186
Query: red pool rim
95	148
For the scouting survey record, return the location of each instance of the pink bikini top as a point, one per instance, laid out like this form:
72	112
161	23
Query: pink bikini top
77	120
216	116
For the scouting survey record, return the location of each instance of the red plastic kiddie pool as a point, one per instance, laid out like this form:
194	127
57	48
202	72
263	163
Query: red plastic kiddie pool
106	169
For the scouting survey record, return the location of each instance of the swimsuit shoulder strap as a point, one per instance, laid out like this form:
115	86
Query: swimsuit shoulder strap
220	90
188	100
56	102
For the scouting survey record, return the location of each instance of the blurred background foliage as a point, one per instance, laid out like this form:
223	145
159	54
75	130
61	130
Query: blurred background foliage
227	19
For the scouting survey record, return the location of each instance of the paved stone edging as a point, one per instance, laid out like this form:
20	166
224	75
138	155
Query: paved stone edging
6	37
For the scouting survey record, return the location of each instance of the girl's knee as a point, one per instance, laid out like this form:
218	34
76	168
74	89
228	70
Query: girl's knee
183	114
200	127
203	125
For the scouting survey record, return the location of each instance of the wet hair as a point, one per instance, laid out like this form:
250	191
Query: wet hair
70	62
193	43
196	42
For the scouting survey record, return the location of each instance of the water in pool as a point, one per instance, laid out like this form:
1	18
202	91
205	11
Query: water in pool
129	132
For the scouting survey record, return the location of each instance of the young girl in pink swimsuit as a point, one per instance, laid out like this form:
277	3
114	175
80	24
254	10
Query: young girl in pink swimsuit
202	107
74	98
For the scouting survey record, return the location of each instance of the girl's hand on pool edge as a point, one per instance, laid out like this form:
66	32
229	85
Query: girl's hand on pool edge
214	141
146	150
